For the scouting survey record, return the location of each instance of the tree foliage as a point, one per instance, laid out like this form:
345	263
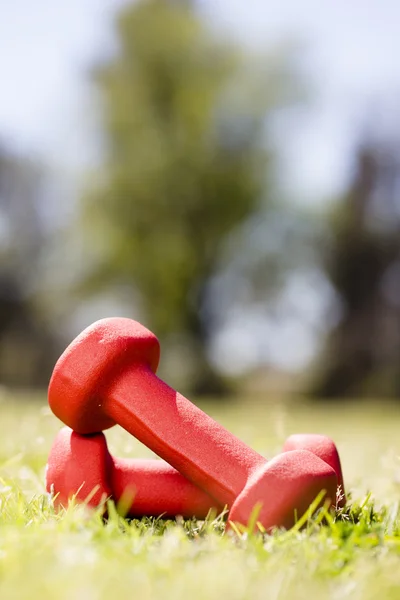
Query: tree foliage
362	261
186	162
26	346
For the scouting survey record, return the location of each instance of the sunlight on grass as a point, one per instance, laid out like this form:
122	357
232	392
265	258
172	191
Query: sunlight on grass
75	555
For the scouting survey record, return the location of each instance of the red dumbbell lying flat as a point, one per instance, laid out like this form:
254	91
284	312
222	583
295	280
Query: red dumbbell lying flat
107	376
81	466
325	448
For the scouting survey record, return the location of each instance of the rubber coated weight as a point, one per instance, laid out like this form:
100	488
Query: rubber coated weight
107	376
324	447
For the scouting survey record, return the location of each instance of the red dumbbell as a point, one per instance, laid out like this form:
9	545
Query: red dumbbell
81	466
325	448
107	376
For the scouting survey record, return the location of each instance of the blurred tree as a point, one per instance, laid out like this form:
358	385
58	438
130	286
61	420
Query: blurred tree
363	264
186	162
25	343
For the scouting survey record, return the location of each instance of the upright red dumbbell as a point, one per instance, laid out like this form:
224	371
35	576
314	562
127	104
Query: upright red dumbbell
82	466
107	376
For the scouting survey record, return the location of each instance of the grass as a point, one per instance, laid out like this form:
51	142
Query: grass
74	555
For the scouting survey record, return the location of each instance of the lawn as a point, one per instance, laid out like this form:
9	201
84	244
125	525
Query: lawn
73	555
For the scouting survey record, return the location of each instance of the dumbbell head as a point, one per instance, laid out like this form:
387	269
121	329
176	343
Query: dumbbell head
79	466
284	488
88	366
325	448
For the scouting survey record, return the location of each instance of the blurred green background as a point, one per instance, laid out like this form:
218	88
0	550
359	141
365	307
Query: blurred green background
226	173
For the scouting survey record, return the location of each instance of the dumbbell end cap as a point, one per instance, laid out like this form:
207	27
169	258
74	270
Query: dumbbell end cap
325	448
78	466
89	366
284	488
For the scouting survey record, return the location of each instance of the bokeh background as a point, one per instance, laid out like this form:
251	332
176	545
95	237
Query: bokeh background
226	172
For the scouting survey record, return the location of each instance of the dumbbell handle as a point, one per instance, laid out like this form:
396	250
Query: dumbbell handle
180	433
157	489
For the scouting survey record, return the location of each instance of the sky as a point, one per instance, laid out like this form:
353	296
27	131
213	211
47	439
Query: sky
350	55
351	51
